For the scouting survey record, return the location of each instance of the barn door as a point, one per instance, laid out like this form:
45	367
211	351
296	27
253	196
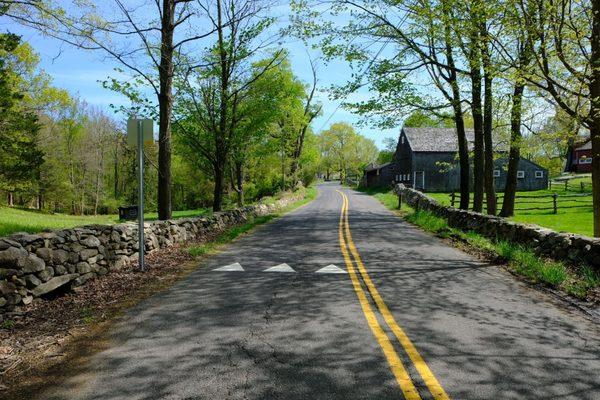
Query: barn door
419	180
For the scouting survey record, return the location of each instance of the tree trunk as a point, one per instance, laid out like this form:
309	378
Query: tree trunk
296	156
11	199
165	106
510	190
478	146
239	174
516	112
116	170
595	113
490	190
220	139
219	182
474	57
459	122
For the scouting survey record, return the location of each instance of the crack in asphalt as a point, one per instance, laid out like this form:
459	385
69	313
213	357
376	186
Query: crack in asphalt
256	333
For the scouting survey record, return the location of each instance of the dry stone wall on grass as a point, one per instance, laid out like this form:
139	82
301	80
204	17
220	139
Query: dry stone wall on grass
34	265
568	247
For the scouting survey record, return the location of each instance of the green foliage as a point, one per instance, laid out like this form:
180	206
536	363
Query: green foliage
423	119
388	151
428	221
20	157
345	151
87	315
8	324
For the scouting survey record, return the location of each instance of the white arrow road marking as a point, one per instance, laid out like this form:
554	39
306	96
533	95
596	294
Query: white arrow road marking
280	268
230	267
331	269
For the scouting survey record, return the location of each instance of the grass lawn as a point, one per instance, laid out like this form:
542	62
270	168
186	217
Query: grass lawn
574	213
17	220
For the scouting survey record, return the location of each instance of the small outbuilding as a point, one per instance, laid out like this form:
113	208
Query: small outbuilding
427	159
379	174
579	158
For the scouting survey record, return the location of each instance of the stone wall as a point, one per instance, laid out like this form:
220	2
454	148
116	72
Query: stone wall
33	265
571	248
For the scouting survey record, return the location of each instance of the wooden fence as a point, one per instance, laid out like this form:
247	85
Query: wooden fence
570	187
540	202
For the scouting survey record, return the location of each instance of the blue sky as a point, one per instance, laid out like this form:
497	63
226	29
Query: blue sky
79	71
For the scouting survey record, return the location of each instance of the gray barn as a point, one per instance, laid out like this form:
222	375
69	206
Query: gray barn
379	175
426	158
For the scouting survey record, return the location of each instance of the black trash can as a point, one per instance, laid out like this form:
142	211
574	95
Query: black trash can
128	212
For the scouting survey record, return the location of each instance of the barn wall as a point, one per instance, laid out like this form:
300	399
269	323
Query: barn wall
441	171
387	175
577	167
403	158
529	182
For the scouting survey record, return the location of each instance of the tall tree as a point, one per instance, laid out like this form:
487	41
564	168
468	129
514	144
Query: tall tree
349	151
210	105
310	112
134	38
391	44
20	156
565	41
515	51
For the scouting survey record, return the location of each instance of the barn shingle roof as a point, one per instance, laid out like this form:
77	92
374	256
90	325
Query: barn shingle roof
374	166
435	139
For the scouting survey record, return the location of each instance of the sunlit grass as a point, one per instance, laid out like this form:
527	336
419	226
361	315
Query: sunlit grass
575	220
18	220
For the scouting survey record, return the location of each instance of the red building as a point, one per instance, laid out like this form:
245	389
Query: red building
581	158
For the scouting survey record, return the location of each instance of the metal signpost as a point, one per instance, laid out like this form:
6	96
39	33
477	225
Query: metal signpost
140	131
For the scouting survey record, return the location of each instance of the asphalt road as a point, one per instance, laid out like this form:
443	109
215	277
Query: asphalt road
418	317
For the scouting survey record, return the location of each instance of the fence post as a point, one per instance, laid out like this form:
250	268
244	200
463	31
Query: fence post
581	185
554	203
452	196
399	200
566	185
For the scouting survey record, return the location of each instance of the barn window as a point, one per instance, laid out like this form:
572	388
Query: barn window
520	174
585	160
539	174
496	173
397	178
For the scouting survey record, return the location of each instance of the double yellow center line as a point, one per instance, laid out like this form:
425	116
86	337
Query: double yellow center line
400	373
